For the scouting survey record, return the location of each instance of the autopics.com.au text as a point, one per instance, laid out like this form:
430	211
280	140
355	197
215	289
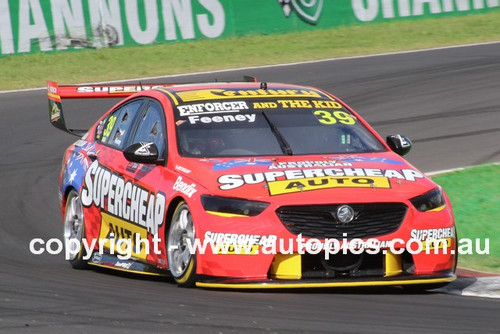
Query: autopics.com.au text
127	248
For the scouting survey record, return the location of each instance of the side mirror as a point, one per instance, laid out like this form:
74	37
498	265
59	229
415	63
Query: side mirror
145	153
399	144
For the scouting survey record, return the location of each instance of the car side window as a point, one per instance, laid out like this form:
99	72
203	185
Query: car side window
151	128
116	127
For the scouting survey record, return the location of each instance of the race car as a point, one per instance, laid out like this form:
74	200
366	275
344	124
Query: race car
247	185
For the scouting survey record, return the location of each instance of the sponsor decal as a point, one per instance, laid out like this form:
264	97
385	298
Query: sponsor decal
96	257
298	185
123	199
307	10
123	236
433	233
287	104
214	107
124	265
233	181
144	149
55	112
114	89
250	118
134	167
240	239
437	243
308	164
183	187
239	244
221	93
355	159
241	163
182	169
434	238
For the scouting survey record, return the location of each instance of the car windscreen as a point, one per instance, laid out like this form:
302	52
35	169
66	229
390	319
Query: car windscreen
249	128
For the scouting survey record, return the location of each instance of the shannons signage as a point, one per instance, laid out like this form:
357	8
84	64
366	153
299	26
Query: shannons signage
370	10
53	25
48	25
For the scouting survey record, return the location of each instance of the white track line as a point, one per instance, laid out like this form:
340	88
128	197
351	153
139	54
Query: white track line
275	65
444	171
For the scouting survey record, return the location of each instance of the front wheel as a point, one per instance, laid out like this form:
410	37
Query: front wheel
74	231
181	257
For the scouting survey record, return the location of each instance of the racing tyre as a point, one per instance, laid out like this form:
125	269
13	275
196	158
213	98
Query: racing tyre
74	231
181	262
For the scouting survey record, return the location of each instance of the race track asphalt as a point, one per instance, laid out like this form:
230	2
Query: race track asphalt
447	101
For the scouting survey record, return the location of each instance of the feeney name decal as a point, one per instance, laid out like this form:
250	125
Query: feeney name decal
232	181
250	118
287	186
125	200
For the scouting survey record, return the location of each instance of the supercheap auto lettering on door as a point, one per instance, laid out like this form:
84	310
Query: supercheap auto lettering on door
123	199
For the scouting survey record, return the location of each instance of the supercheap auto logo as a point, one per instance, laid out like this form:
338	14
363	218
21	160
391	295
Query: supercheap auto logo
295	180
123	199
298	185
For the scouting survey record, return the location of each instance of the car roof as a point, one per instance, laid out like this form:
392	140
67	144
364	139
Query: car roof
187	93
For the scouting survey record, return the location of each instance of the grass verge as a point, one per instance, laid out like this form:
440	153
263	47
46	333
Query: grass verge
475	196
28	71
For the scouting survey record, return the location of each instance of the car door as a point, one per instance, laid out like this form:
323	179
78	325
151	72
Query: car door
138	208
150	128
112	187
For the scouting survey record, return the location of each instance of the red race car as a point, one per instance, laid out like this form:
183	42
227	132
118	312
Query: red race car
248	185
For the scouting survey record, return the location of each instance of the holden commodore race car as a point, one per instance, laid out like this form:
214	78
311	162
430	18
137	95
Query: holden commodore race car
247	185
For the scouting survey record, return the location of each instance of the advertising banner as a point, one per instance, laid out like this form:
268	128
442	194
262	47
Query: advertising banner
28	26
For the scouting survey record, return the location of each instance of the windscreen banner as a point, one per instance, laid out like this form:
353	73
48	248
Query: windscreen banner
28	26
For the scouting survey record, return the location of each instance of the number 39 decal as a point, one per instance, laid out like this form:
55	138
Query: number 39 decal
332	117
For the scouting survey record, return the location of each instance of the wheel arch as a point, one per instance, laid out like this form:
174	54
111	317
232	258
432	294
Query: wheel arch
170	213
67	190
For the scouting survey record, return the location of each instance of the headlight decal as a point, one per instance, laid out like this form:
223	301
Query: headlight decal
430	202
232	207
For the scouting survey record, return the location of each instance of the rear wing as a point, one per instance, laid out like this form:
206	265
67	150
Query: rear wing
57	93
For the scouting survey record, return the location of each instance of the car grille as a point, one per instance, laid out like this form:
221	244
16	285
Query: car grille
319	221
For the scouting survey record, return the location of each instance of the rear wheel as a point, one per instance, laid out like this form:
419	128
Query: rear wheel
181	261
74	231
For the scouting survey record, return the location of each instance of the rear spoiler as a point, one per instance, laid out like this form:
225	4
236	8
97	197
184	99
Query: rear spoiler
56	93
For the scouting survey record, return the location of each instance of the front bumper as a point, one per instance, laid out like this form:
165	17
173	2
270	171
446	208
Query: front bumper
286	284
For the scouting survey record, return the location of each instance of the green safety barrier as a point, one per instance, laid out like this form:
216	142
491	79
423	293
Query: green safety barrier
28	26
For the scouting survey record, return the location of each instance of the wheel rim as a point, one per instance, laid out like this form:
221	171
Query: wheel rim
181	233
73	225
